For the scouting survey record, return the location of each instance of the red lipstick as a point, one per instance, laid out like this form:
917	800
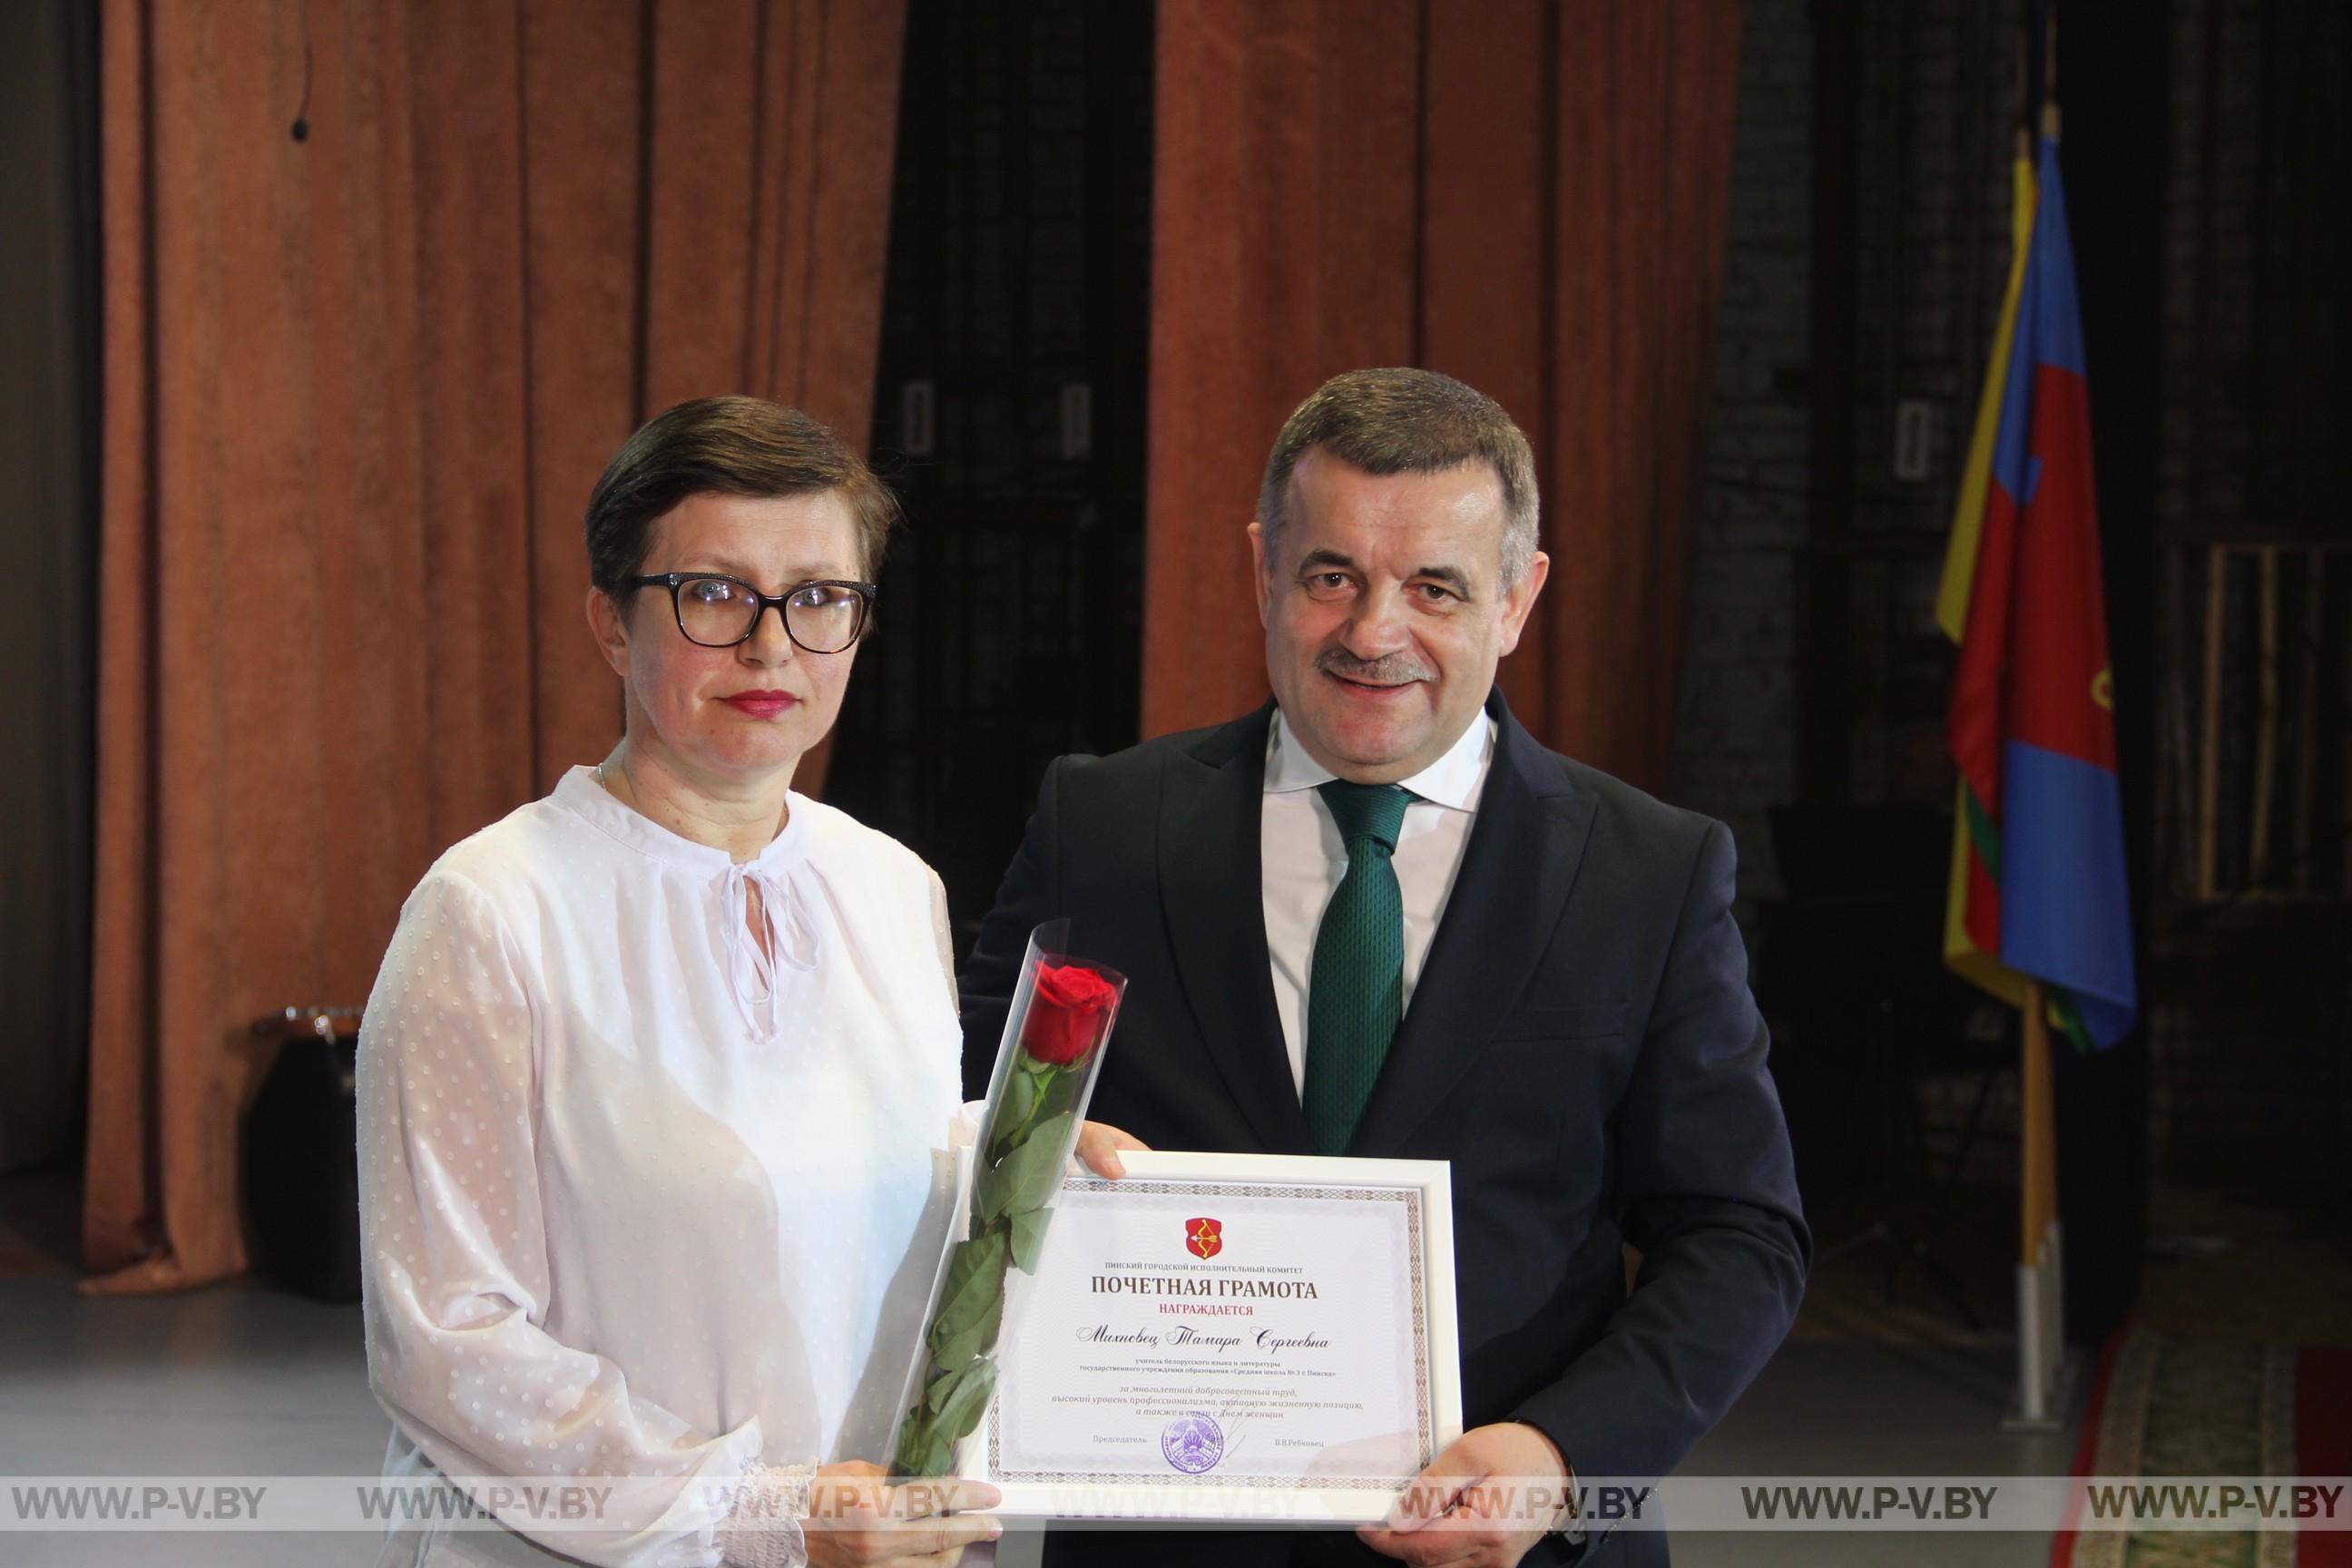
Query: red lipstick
761	704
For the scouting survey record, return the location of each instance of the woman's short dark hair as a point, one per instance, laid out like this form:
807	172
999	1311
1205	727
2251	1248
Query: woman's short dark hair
726	446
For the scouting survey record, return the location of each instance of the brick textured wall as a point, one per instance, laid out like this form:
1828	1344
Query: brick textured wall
1932	244
2249	450
1732	748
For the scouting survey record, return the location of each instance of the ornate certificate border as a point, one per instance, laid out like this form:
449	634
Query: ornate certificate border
1423	1188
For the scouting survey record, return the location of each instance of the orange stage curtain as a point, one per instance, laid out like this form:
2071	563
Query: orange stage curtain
358	385
1529	194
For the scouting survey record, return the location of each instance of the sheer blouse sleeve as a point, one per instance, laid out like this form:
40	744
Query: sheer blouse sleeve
943	934
455	1265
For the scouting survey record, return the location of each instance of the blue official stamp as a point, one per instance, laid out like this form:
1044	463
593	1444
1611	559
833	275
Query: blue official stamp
1192	1443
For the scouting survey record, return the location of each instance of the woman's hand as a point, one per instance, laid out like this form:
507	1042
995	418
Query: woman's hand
1098	1147
856	1517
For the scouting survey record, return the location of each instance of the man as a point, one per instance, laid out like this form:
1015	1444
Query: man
1375	918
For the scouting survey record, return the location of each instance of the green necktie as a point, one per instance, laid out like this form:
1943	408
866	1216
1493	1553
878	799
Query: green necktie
1355	992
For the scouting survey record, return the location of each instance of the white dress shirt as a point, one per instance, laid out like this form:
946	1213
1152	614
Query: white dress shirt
637	1199
1303	857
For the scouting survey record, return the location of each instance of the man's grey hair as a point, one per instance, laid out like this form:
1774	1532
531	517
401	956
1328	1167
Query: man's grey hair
1406	421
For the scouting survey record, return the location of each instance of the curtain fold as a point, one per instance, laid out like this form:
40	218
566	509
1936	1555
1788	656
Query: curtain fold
1529	194
360	372
49	495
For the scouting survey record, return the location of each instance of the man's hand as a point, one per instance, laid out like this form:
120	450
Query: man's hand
1448	1517
1098	1147
856	1517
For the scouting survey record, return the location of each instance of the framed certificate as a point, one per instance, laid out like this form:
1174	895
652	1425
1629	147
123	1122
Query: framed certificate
1229	1337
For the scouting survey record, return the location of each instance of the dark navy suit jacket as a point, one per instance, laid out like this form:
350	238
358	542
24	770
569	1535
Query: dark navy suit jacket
1582	1046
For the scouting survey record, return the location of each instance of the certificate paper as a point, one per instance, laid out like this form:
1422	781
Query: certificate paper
1230	1337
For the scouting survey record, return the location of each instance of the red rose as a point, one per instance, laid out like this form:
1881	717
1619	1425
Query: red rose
1066	1014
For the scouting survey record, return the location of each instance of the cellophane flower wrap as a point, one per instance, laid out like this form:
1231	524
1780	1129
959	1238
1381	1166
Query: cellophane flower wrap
1053	1038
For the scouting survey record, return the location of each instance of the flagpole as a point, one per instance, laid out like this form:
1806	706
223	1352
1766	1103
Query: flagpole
2038	72
2041	1119
2041	1331
2041	1299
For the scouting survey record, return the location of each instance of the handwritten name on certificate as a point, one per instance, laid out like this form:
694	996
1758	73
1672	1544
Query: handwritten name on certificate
1256	1336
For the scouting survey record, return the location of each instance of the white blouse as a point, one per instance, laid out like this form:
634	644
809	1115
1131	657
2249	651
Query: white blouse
638	1199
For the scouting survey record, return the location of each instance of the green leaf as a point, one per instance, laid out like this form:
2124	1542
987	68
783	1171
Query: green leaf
1058	1092
1041	1175
956	1348
1059	1083
1008	1126
975	1281
988	1193
914	1438
963	1409
946	1390
943	1383
1026	1178
1028	1239
933	1460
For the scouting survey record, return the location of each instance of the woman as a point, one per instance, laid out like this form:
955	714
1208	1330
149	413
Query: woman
658	1077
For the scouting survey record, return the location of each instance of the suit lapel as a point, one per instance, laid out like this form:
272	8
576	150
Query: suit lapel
1211	891
1517	872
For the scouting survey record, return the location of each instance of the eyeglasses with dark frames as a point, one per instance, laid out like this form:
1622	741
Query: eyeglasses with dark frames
716	611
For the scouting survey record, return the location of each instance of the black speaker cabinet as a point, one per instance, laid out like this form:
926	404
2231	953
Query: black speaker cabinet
300	1158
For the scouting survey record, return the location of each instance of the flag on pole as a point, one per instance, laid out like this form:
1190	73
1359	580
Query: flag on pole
2038	887
1967	517
1970	881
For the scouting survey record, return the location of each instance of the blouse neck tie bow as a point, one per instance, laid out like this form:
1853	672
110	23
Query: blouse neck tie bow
787	934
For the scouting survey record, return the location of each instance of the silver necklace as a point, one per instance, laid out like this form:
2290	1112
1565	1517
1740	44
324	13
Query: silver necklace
625	777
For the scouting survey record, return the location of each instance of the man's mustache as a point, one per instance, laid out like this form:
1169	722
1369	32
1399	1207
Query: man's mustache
1388	669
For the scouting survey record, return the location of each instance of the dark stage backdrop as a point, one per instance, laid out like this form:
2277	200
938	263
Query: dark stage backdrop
2113	88
1009	412
49	503
1528	194
385	285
